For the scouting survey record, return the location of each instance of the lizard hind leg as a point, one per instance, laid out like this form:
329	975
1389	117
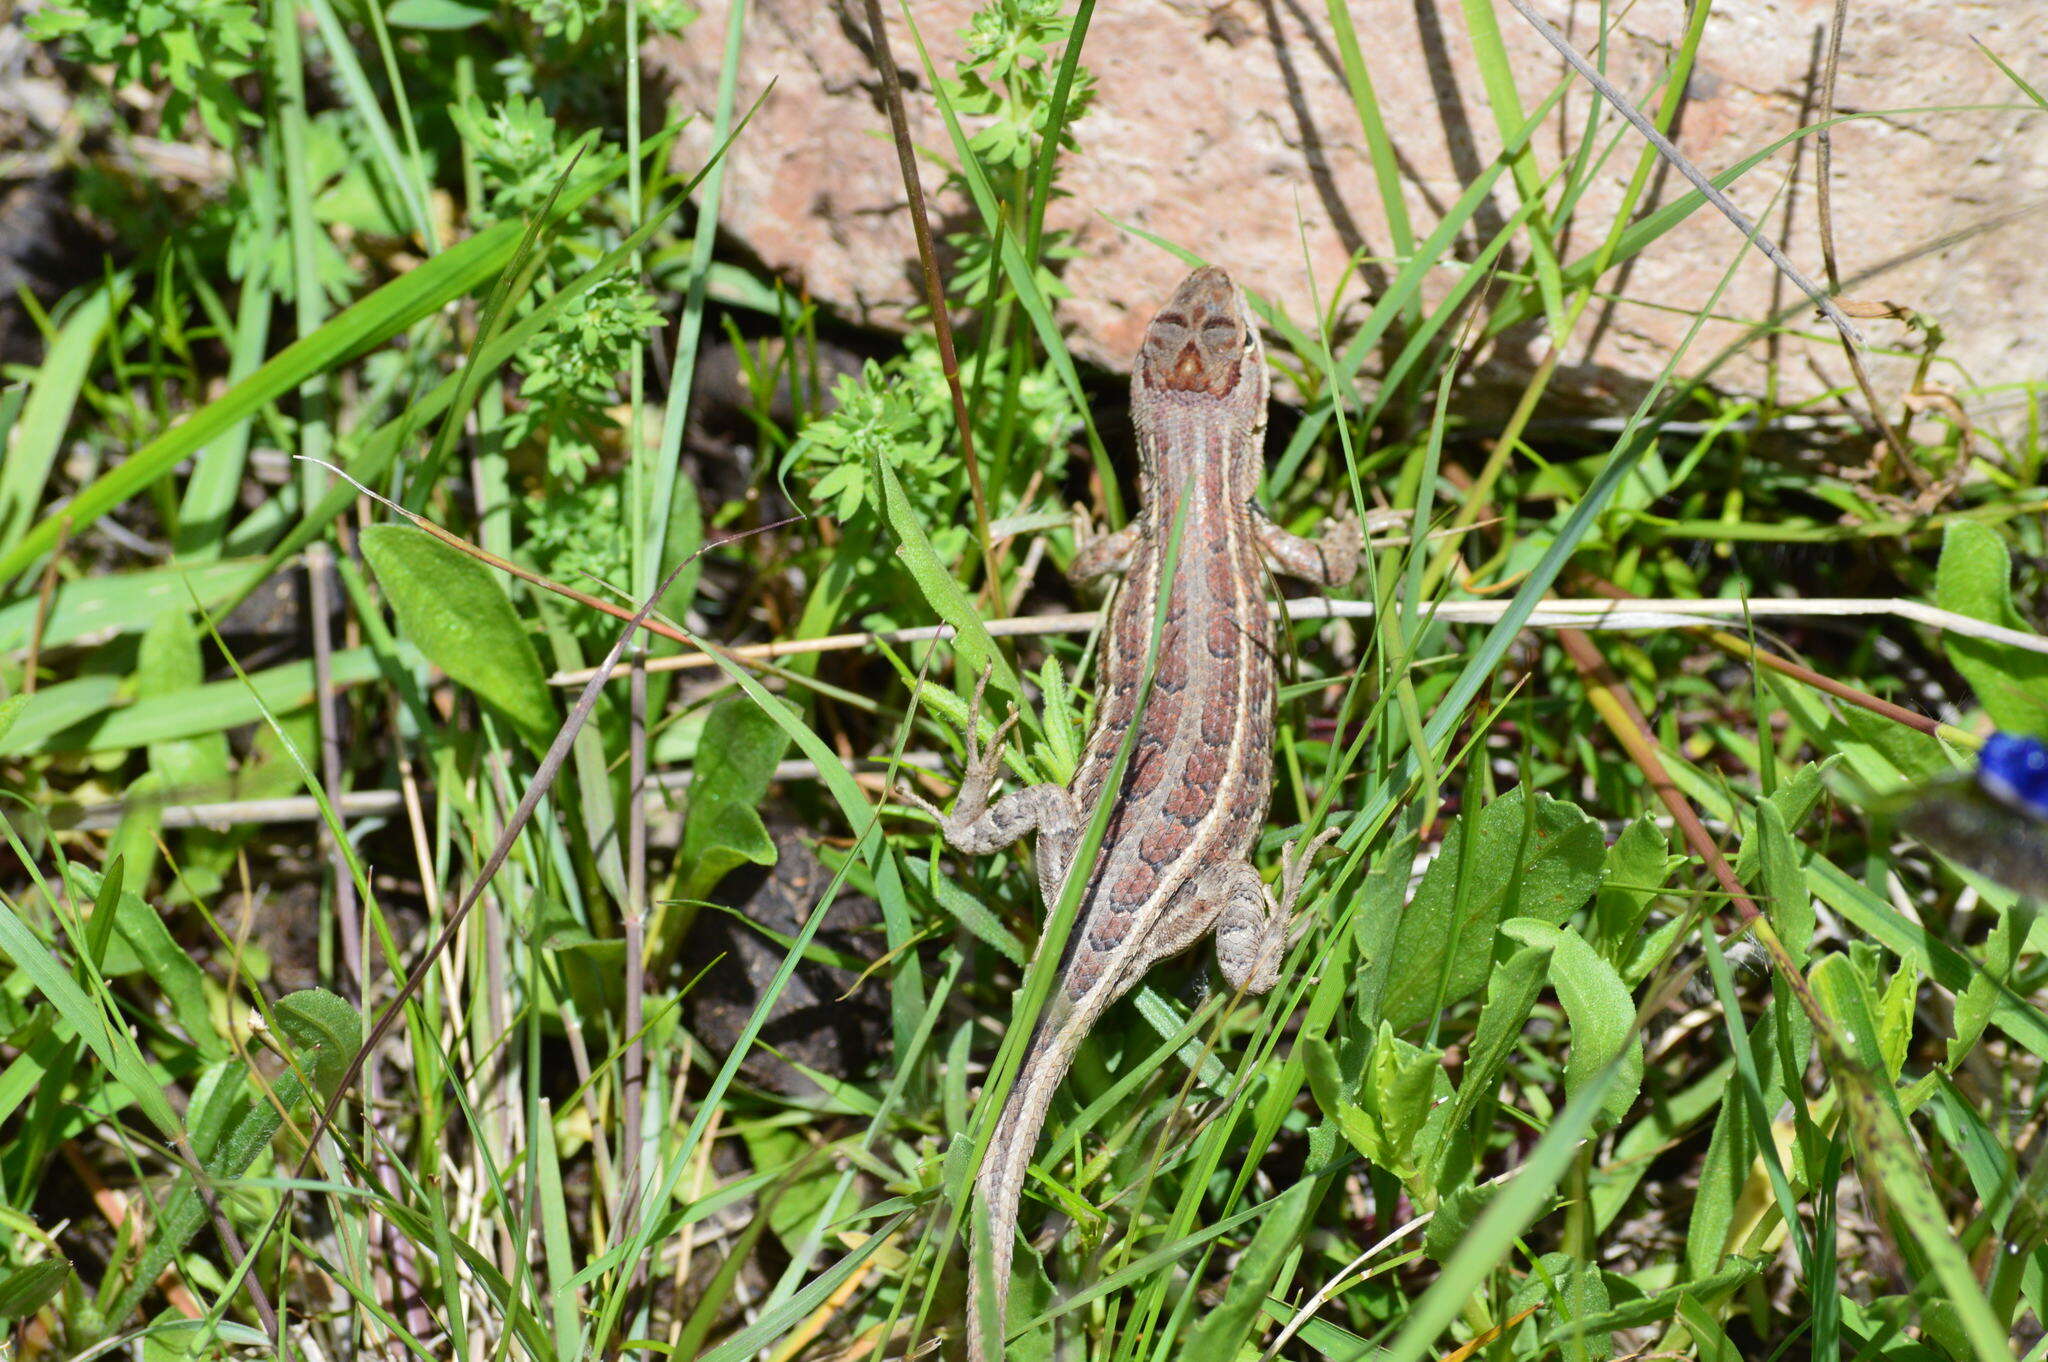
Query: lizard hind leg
1254	931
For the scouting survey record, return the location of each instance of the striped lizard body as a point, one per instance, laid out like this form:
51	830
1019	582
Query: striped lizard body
1173	864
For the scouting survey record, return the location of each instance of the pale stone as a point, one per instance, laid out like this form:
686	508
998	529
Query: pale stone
1228	129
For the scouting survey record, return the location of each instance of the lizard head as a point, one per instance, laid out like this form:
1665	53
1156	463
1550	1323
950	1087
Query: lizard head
1203	342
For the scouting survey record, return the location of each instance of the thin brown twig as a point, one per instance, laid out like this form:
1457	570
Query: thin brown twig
934	291
46	597
320	599
633	1076
1749	652
1823	180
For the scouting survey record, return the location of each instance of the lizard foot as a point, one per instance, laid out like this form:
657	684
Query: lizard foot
984	765
1295	859
1343	543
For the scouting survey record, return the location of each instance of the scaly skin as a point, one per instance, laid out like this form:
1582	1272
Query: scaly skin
1173	865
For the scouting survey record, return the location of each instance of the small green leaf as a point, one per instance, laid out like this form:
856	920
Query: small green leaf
10	710
1222	1331
1794	799
1454	1215
144	945
736	759
1974	579
941	592
324	1030
1789	906
1574	1295
1602	1015
443	15
1057	708
454	611
1510	997
1398	1087
1378	927
1639	864
1326	1082
969	911
1531	857
1599	1008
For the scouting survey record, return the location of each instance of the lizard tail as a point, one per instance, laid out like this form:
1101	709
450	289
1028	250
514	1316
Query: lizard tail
1001	1180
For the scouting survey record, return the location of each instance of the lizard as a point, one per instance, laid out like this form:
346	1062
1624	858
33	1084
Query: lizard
1174	862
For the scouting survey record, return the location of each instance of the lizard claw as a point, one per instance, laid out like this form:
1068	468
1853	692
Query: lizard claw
904	795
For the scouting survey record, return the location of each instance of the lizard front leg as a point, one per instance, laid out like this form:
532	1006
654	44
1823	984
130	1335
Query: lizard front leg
1253	932
977	826
1095	554
1331	560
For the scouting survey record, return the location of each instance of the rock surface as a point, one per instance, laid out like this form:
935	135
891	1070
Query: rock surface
1227	129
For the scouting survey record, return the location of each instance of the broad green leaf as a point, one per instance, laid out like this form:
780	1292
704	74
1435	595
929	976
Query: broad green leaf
25	1290
1378	924
1599	1008
1534	857
1602	1015
735	762
1574	1298
123	601
452	608
86	715
325	1031
1974	579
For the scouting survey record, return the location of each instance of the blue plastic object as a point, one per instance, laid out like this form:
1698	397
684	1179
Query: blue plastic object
2014	770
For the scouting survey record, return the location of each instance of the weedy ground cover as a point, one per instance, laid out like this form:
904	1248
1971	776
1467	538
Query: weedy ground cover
1673	1047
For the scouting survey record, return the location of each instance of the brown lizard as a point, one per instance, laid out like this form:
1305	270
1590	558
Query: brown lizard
1173	864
